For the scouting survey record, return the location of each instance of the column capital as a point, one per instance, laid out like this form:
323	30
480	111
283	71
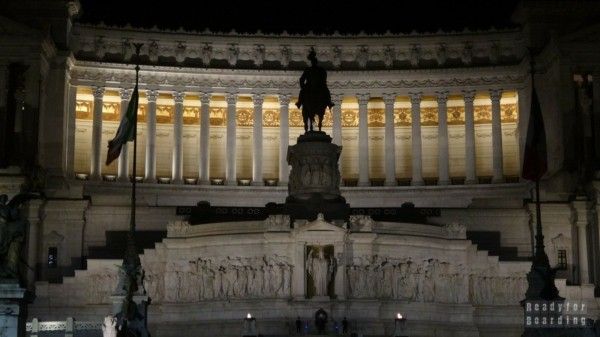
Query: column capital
469	96
363	99
178	97
98	92
125	94
495	95
415	97
205	97
258	99
336	98
442	96
389	98
284	99
152	96
231	98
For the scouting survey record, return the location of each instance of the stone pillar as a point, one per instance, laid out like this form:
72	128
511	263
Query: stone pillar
150	166
339	249
96	161
443	156
470	172
390	140
257	140
230	173
284	137
33	240
580	208
204	176
177	174
123	163
69	147
498	175
336	116
299	271
363	140
417	169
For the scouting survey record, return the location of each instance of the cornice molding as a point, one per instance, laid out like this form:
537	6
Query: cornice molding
276	51
275	81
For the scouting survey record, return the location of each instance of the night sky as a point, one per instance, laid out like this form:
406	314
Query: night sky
371	16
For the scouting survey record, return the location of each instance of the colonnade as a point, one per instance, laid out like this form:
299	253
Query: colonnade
231	97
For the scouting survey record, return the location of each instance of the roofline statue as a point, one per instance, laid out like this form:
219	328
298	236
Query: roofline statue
314	97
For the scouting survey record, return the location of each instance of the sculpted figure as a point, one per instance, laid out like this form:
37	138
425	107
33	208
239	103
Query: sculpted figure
320	269
12	233
314	95
109	327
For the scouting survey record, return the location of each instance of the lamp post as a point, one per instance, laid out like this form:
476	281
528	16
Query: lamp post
249	329
399	325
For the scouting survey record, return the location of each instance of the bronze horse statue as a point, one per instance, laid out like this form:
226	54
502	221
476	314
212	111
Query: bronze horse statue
314	95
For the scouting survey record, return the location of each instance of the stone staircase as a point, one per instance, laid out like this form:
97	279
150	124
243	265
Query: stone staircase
116	242
490	241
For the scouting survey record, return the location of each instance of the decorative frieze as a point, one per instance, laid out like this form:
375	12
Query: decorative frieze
389	50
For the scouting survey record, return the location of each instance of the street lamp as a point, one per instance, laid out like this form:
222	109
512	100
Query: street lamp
399	325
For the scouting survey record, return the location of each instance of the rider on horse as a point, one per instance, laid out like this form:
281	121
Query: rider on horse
314	95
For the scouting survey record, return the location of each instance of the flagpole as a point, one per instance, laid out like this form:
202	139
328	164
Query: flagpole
131	260
540	254
138	46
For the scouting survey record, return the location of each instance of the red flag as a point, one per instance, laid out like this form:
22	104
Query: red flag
535	162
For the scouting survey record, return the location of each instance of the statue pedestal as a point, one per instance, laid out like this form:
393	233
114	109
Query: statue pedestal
12	300
140	320
314	182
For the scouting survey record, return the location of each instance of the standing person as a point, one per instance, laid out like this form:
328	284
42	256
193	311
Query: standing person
298	326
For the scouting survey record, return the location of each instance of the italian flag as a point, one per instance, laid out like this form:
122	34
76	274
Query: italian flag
535	162
126	130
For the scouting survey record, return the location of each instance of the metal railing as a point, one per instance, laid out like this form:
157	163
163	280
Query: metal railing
36	328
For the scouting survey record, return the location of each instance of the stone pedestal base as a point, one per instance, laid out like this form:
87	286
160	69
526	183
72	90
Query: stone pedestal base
12	300
139	322
314	184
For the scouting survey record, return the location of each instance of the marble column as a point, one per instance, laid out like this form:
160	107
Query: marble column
96	161
580	207
390	140
150	165
69	150
443	156
470	172
363	140
336	116
498	175
298	274
123	163
177	167
257	140
204	176
284	137
230	169
417	165
336	130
